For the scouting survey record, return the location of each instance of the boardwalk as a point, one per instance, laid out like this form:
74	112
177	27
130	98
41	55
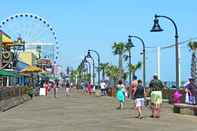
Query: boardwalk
87	113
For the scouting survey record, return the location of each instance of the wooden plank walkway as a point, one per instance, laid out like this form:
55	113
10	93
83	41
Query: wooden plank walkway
88	113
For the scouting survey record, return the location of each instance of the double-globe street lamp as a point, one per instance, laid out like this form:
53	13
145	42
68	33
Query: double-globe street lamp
129	46
98	55
93	66
88	63
144	58
156	28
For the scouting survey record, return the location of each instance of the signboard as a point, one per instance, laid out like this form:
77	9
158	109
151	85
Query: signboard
42	92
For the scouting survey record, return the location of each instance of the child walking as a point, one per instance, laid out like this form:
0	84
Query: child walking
139	99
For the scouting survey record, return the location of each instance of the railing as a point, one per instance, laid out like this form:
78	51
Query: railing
9	92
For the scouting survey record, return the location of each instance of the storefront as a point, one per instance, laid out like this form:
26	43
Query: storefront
8	78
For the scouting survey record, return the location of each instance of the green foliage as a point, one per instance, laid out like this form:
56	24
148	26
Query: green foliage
103	67
193	45
113	72
87	77
134	67
119	48
74	74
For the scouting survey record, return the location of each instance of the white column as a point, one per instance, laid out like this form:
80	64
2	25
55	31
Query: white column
7	82
179	65
158	62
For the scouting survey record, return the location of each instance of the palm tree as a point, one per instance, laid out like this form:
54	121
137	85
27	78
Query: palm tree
193	47
134	67
103	67
113	72
119	49
75	76
127	49
125	76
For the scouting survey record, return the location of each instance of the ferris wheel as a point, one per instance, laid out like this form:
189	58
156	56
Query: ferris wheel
35	31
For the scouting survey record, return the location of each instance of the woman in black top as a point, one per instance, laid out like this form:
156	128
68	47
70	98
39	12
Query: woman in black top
139	99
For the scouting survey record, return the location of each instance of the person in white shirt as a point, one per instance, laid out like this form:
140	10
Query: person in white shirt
103	88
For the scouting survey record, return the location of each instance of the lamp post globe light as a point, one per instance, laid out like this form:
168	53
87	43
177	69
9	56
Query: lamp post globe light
93	66
156	28
98	55
129	46
144	58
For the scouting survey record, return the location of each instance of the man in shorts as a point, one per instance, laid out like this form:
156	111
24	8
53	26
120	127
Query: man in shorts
156	87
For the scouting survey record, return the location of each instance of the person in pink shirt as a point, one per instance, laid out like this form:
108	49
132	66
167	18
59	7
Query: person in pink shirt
89	88
46	86
134	85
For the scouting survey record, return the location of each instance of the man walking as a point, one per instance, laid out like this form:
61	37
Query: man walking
156	87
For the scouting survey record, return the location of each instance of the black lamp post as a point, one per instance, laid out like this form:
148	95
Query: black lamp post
89	65
144	60
89	56
156	28
129	46
98	55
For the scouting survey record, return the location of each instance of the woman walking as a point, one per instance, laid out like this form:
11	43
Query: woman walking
139	99
90	88
120	94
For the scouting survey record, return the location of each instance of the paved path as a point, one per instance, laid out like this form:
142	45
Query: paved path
88	113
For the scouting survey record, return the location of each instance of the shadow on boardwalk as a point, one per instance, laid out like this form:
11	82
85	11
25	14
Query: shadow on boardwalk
88	113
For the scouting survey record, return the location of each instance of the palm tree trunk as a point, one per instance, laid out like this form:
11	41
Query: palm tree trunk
120	66
120	61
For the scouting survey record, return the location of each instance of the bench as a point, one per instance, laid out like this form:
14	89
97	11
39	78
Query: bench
178	106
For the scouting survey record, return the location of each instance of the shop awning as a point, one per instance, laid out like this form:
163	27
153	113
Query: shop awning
31	69
4	38
20	66
8	73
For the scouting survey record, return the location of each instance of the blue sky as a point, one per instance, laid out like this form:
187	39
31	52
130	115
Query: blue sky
96	24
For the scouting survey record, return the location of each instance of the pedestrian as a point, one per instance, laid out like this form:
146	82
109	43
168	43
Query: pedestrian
156	87
46	86
82	88
191	94
90	88
55	87
103	88
177	96
120	94
30	93
67	88
139	96
133	87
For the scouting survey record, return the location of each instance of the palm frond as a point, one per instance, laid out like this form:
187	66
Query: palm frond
192	45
